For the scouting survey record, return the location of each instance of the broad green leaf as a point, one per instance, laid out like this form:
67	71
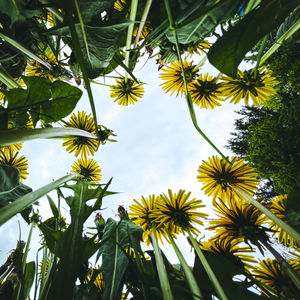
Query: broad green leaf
8	137
119	236
201	23
292	210
229	50
10	187
28	279
21	203
53	207
103	43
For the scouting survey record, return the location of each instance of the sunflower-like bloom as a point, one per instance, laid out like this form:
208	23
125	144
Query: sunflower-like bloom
177	213
126	92
34	68
81	145
231	250
206	92
173	79
238	219
146	30
98	282
220	178
119	5
277	207
246	86
88	168
199	47
139	213
10	157
271	274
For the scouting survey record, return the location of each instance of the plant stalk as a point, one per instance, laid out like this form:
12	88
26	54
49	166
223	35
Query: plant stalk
286	227
133	10
208	269
161	269
187	270
7	80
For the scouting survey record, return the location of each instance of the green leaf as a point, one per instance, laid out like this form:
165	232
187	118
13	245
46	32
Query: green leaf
118	236
103	43
203	21
8	137
292	210
53	207
229	50
10	187
29	275
64	100
21	203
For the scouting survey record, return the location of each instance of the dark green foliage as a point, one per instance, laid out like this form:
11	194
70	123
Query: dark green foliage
292	211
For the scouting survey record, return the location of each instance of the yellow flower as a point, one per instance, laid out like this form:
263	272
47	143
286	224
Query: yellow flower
2	88
34	68
271	274
140	215
47	17
126	92
119	5
231	250
277	207
46	268
206	92
146	30
81	145
99	281
220	178
10	157
88	168
238	219
177	213
246	86
173	79
198	47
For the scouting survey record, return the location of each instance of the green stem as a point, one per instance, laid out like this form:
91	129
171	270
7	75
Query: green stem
208	269
188	97
143	20
8	80
279	42
55	13
24	258
187	270
286	227
79	57
200	64
24	50
251	4
161	268
133	10
285	266
261	49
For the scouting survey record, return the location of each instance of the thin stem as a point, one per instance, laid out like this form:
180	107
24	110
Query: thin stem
187	270
208	269
161	269
24	50
55	13
79	57
143	20
7	80
251	4
285	266
286	227
24	258
261	49
200	64
188	97
133	10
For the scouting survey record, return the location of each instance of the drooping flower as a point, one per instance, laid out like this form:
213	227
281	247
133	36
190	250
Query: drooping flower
126	92
270	273
277	207
247	86
206	92
139	213
238	220
173	79
230	249
98	281
199	47
34	68
10	157
81	145
88	168
220	178
177	213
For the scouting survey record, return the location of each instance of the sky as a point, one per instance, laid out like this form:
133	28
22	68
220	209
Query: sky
157	149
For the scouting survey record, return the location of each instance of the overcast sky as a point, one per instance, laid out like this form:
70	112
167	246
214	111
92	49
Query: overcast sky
158	148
